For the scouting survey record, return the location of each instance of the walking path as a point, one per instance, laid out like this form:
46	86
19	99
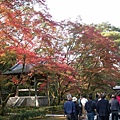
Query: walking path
54	115
61	115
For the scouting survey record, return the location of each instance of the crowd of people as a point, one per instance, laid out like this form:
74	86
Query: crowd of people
87	108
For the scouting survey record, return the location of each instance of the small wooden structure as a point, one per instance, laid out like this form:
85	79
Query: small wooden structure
35	100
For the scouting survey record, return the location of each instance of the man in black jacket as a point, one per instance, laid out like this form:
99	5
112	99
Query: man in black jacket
77	107
103	108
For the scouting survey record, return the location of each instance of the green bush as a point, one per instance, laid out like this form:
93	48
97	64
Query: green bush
4	117
30	113
54	109
27	115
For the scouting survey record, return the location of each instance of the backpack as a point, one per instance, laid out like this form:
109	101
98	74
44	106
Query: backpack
90	107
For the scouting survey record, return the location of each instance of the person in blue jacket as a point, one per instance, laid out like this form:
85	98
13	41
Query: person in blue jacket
69	108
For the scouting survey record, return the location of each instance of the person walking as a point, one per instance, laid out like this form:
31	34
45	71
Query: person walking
103	108
83	101
118	98
69	108
77	107
80	112
90	107
96	98
114	107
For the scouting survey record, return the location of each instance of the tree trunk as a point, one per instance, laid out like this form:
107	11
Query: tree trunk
2	111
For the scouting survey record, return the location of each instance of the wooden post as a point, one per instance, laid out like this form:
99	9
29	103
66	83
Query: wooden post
17	91
35	86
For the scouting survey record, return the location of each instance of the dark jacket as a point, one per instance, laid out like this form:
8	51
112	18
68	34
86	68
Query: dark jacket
69	107
78	109
90	106
103	107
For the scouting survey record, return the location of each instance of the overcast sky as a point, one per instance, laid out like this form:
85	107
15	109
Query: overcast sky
91	11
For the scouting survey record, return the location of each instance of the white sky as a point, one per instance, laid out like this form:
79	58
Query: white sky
91	11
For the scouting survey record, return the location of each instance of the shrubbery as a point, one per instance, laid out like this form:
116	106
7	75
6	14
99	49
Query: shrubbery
29	113
54	109
19	113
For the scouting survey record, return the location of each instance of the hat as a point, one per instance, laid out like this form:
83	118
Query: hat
74	99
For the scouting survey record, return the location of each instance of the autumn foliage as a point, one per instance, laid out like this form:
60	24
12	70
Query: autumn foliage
73	57
94	57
